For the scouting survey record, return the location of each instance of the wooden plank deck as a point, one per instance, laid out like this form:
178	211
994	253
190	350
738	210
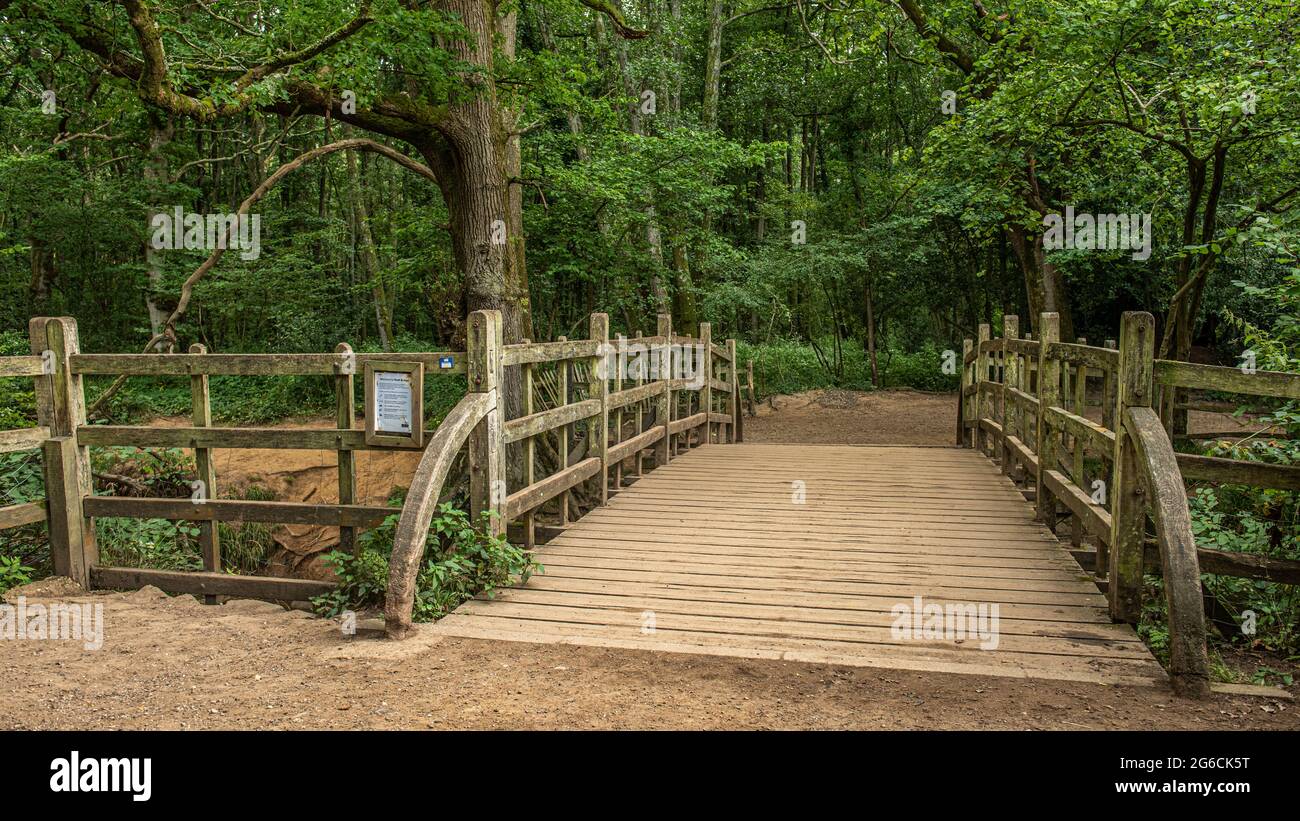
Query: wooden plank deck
712	554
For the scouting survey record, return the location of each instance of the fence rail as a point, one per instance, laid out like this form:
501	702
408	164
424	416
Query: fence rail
1029	404
688	398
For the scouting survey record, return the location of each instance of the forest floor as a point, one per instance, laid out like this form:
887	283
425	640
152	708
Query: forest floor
172	662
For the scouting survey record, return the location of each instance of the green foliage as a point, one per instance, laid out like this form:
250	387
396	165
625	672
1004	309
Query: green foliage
787	367
13	573
1259	521
460	562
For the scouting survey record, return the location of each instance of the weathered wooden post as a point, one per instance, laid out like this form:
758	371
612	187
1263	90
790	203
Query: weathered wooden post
638	458
749	387
487	474
1078	406
201	407
565	432
1109	395
616	434
599	425
664	401
1128	503
530	452
1010	380
981	376
1049	395
963	401
345	418
706	389
736	412
60	406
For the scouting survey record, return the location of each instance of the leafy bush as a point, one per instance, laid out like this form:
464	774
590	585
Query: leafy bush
20	482
13	573
17	396
460	562
788	367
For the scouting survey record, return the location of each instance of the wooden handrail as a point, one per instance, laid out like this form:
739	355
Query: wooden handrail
1167	501
421	503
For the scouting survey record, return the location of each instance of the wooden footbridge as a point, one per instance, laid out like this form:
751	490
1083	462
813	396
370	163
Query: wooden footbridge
937	559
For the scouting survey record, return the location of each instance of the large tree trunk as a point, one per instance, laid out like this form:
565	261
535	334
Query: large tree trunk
1044	283
712	67
653	237
157	176
366	254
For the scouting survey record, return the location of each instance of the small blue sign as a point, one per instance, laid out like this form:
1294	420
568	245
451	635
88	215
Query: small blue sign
446	362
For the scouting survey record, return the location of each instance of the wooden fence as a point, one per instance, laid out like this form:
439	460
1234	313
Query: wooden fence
1028	403
566	384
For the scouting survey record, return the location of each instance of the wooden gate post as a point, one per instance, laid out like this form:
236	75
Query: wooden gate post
599	426
345	418
664	401
1049	394
1010	380
1128	505
487	473
61	407
201	407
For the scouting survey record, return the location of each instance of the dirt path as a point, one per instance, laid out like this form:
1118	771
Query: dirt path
171	662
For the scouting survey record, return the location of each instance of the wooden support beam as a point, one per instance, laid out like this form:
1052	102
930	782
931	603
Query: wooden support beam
1049	394
61	407
487	475
664	404
345	418
208	584
600	375
565	432
1128	504
537	494
237	510
201	408
530	472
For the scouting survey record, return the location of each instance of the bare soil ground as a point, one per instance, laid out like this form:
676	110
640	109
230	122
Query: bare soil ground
174	663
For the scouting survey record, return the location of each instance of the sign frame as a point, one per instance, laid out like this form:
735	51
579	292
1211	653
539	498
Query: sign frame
389	439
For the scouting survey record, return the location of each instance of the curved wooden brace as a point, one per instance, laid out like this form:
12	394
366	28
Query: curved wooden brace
1163	482
421	502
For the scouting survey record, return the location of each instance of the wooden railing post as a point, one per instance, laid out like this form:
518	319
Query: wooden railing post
1128	506
664	403
1078	406
1010	379
1049	394
565	431
706	391
345	417
1109	395
749	387
638	458
61	407
530	453
981	375
600	390
617	434
963	401
487	475
735	411
201	409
